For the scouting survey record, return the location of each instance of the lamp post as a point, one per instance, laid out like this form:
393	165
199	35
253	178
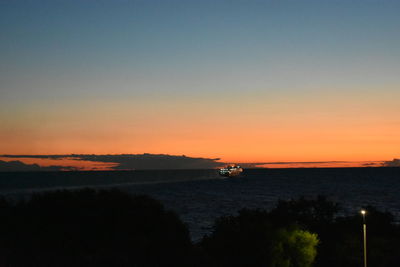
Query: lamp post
363	212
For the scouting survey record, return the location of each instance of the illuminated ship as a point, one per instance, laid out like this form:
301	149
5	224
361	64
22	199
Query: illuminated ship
230	171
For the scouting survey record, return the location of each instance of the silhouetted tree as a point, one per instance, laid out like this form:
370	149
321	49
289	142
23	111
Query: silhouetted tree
112	228
92	228
313	213
294	247
252	239
344	244
341	240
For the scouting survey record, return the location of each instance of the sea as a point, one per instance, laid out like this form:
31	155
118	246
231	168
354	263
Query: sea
201	196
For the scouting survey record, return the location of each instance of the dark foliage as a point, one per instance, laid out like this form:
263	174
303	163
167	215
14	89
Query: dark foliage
111	228
253	239
314	213
249	238
91	228
240	240
343	245
341	238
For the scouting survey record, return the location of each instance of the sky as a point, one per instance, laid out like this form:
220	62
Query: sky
244	81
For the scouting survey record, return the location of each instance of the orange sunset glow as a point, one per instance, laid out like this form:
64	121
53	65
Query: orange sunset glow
241	94
257	129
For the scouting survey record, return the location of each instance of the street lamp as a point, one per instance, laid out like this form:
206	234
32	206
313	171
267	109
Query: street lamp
363	212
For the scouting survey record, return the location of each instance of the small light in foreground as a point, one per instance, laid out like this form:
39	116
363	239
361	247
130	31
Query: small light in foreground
363	212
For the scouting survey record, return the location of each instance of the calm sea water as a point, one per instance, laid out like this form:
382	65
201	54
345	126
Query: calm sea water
200	196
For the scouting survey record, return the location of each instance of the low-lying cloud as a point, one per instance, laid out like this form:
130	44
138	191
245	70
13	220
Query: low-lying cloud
392	163
15	166
133	161
158	162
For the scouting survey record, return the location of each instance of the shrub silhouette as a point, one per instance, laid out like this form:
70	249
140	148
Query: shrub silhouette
341	239
316	213
252	239
112	228
287	236
294	247
91	228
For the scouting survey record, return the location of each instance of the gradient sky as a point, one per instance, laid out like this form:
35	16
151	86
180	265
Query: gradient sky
240	80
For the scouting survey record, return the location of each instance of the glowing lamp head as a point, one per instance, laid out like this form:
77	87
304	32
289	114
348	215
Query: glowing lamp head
363	212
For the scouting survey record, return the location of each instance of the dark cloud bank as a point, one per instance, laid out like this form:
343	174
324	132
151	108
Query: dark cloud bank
14	166
137	162
393	163
123	162
152	161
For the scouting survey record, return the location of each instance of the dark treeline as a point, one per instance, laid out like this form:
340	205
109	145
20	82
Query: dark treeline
91	228
112	228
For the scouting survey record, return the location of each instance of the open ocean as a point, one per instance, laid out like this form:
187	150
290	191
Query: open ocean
200	196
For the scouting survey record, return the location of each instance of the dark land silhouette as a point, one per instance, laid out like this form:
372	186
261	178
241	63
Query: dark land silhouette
112	228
